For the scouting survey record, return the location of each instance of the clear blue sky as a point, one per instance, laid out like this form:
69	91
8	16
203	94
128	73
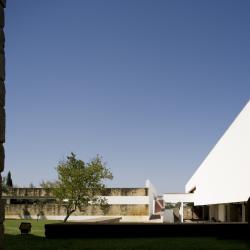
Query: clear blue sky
149	85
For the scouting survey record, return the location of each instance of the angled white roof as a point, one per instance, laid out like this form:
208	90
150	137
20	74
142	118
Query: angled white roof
224	175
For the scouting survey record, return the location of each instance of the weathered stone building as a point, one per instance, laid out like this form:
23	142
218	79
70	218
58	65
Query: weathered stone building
2	112
128	203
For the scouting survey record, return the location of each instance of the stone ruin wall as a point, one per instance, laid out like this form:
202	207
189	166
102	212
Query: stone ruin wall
2	113
43	192
51	208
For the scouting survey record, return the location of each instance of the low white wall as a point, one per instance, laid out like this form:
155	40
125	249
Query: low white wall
127	200
168	216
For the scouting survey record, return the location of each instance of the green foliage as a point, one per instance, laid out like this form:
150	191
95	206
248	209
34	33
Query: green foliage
172	205
169	205
9	182
31	185
5	188
80	184
189	204
48	186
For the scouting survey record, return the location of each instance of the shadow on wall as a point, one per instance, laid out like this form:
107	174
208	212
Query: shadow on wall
41	216
26	213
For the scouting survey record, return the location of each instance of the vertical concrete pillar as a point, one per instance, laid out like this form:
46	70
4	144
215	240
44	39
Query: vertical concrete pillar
228	212
153	201
221	212
211	212
248	210
243	207
2	114
181	212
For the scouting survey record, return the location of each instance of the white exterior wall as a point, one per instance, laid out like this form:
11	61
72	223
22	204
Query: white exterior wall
152	195
223	177
175	198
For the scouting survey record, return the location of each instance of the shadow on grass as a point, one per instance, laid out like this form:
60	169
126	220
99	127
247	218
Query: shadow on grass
34	242
28	242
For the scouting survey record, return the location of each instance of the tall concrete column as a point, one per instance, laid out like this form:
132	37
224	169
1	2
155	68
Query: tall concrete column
228	212
181	213
221	212
211	212
248	210
243	212
2	114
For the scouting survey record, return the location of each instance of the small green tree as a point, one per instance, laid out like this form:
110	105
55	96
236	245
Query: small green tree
9	182
48	186
31	185
81	184
5	188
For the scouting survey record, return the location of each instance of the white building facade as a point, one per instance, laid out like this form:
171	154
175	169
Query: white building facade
222	182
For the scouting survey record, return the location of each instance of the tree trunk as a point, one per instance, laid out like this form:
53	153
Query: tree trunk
68	214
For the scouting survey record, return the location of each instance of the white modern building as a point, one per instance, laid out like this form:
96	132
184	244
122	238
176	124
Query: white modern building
222	182
220	187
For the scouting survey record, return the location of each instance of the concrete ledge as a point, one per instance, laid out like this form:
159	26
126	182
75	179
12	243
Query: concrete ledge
125	230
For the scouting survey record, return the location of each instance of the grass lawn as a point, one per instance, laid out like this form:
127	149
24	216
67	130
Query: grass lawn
36	240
